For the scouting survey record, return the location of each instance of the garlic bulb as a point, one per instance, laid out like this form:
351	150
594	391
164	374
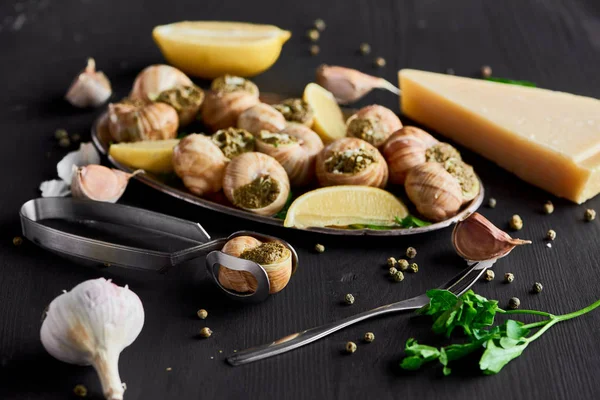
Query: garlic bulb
406	149
91	88
155	79
351	161
274	257
296	149
257	183
91	325
99	183
261	117
373	124
349	85
186	100
476	239
296	110
233	141
229	97
436	194
200	164
132	121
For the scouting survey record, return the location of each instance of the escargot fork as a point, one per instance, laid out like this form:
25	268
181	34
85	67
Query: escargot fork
457	285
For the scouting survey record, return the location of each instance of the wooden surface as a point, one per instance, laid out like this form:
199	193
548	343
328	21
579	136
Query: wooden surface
45	42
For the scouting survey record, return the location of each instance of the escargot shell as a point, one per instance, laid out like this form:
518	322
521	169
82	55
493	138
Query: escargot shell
373	124
261	117
222	109
155	79
132	121
406	149
351	161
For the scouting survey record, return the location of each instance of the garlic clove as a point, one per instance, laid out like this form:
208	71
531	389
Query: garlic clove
91	88
475	238
87	154
99	183
91	325
349	85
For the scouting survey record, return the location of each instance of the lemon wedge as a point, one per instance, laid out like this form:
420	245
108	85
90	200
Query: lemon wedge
345	205
208	49
150	155
329	119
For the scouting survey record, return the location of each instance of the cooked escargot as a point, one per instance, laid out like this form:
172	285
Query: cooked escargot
296	148
406	149
261	117
351	161
186	100
132	121
274	257
229	97
296	110
233	141
200	164
257	183
155	79
373	124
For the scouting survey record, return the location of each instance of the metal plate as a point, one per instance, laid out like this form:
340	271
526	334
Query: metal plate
102	139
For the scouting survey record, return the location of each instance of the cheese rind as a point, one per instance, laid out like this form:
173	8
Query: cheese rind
547	138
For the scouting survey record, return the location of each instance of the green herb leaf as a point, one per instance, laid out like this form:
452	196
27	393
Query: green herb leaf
418	354
511	81
283	212
495	357
515	330
410	221
182	134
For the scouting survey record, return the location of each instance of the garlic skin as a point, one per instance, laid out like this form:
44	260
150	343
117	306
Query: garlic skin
349	85
200	164
279	273
133	122
91	88
436	194
256	183
155	79
91	325
374	174
261	117
406	149
475	238
297	158
373	124
99	183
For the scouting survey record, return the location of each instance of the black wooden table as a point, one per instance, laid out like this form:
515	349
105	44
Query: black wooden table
44	43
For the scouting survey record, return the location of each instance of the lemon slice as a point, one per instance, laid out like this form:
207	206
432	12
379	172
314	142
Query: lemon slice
329	119
209	49
345	205
150	155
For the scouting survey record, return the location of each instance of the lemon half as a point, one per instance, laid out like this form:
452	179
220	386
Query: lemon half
208	49
345	205
150	155
329	119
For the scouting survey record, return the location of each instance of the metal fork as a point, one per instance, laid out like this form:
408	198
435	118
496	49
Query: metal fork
457	285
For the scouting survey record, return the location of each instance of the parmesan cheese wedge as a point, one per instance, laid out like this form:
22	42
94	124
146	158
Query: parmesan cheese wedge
549	139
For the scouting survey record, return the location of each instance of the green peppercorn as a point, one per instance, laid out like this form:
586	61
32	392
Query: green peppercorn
320	24
369	337
508	277
393	271
17	240
492	202
516	223
486	71
514	303
398	276
80	391
411	252
590	214
489	275
350	347
313	35
349	299
391	262
202	313
379	62
551	234
314	50
537	287
64	142
414	268
548	207
365	49
319	248
205	332
403	264
61	134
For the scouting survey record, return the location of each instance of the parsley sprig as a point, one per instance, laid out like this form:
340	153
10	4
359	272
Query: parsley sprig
474	315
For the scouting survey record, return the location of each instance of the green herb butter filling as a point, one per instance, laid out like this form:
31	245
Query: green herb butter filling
233	141
368	129
181	98
349	161
277	139
230	83
266	253
257	194
295	110
441	152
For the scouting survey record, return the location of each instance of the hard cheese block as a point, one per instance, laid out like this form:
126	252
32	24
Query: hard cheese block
547	138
